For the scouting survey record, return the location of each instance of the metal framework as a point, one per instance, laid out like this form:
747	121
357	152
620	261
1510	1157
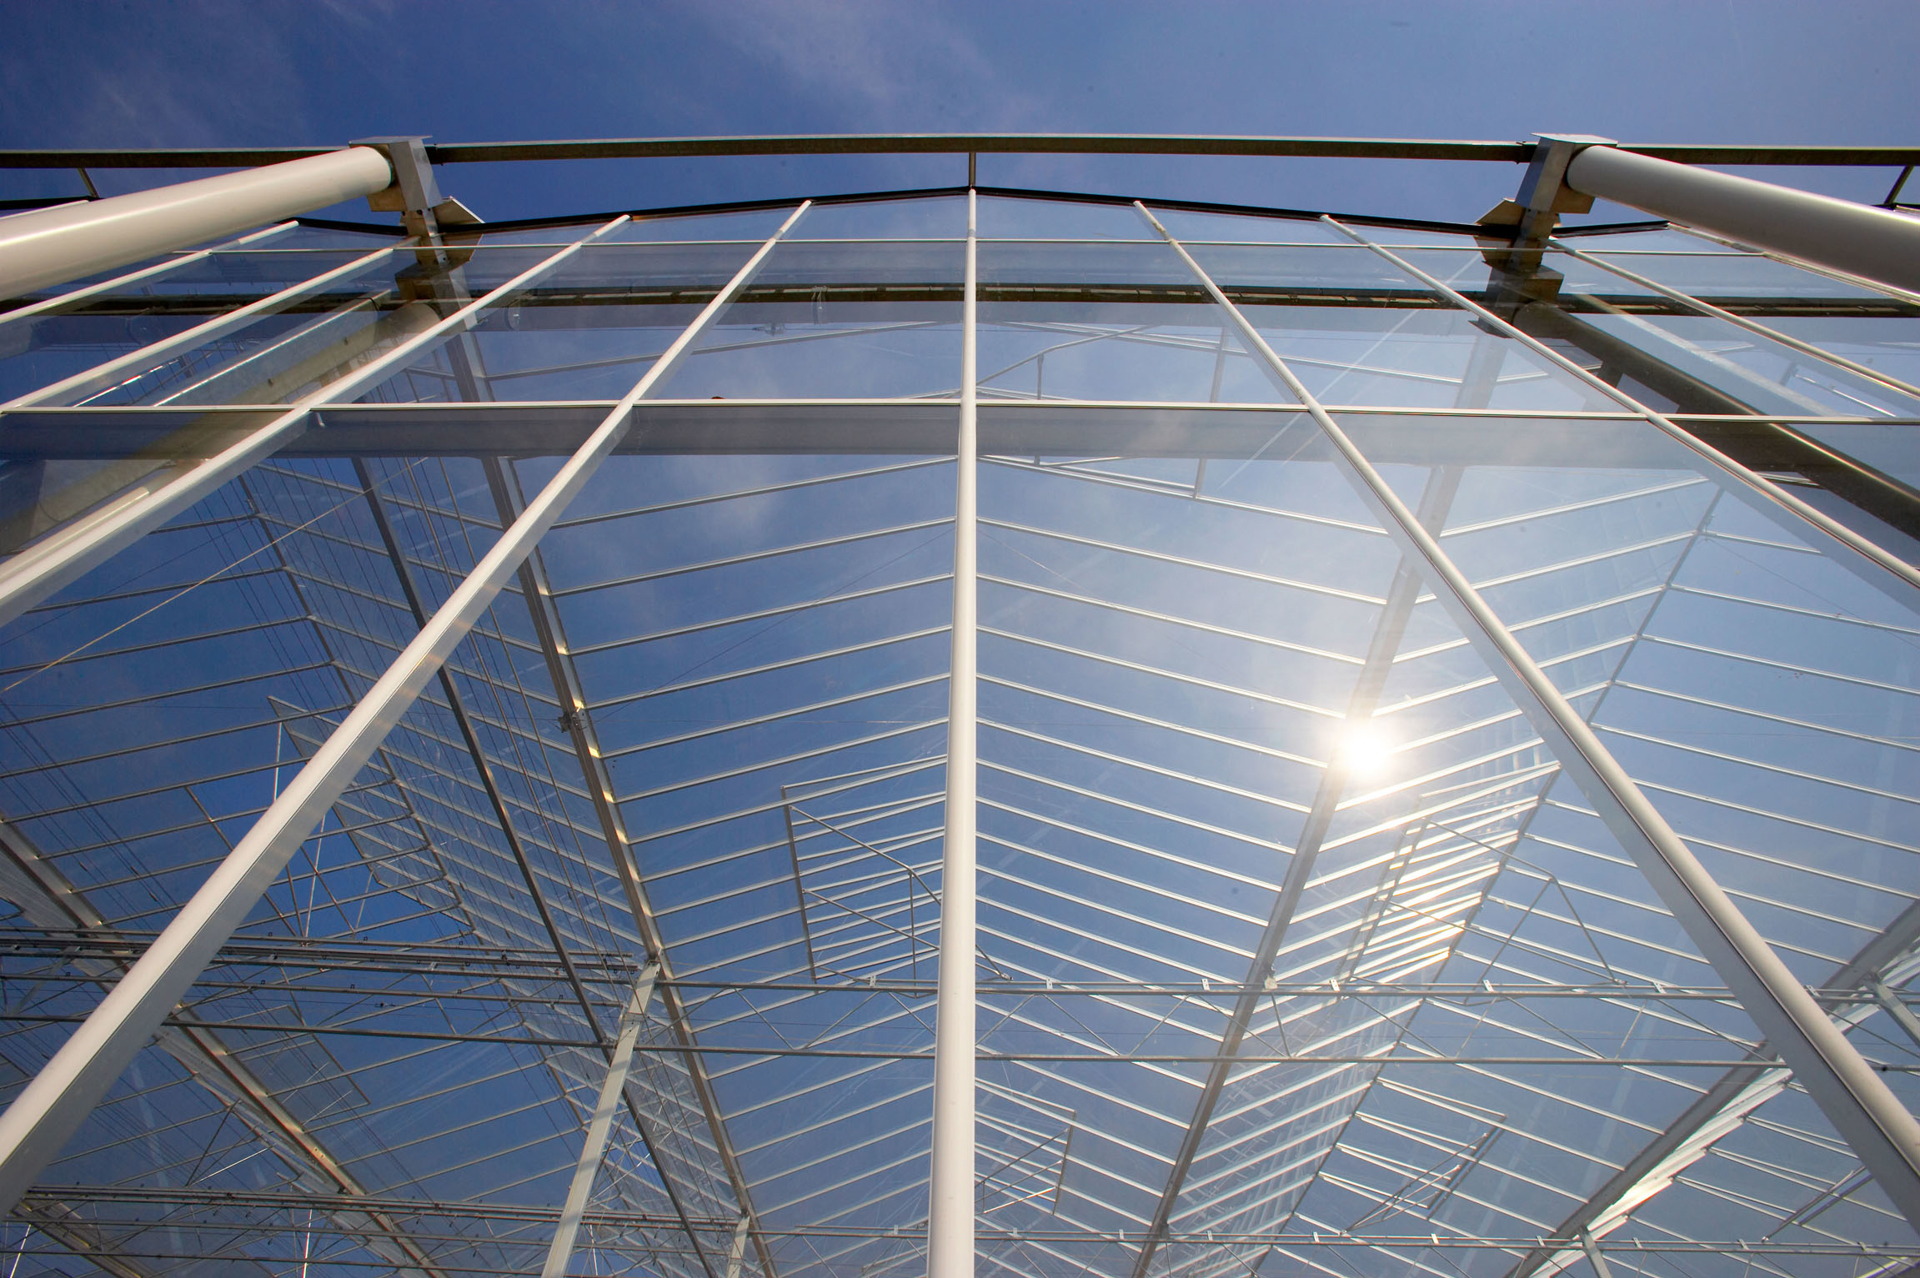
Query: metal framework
974	731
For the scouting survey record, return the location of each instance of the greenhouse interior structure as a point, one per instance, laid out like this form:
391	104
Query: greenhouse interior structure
960	731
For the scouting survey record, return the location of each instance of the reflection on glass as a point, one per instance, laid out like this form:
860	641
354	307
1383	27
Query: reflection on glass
826	320
1097	321
1415	358
56	344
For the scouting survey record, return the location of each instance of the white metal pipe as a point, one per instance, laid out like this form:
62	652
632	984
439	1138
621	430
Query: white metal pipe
52	1106
1877	243
101	376
60	301
587	1169
950	1188
51	246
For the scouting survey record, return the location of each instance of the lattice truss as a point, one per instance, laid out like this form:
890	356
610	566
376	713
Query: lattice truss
1298	951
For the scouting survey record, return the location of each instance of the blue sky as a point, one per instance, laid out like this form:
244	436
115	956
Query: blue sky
120	73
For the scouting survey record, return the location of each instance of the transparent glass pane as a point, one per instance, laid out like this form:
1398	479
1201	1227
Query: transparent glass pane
942	218
748	224
1737	277
826	320
1431	358
587	328
1232	228
1755	684
1086	321
1005	217
65	340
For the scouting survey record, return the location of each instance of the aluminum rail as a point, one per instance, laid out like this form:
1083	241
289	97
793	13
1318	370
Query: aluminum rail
53	1105
51	246
961	143
1855	1099
1877	243
950	1191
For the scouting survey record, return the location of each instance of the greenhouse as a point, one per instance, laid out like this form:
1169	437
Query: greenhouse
961	731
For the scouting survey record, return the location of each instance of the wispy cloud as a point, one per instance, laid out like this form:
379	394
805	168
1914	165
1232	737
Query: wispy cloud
872	64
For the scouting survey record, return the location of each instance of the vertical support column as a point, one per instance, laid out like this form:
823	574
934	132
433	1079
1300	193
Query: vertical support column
1853	1097
47	1112
950	1192
560	1251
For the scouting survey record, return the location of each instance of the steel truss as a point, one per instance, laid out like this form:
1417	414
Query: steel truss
1225	996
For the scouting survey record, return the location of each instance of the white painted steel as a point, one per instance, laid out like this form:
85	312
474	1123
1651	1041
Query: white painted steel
172	264
950	1189
42	1117
560	1251
50	246
72	549
1877	243
1855	1099
1780	505
102	375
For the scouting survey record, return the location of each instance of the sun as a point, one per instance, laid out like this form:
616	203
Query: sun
1365	750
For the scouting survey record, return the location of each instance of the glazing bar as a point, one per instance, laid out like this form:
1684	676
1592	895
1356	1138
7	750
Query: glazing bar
101	375
1877	243
67	552
51	246
1853	1097
172	264
53	1105
1779	504
950	1190
560	1251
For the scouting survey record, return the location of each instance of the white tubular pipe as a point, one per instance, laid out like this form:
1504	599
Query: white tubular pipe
1861	240
52	246
950	1185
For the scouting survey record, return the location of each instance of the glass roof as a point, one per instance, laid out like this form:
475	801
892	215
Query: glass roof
1304	942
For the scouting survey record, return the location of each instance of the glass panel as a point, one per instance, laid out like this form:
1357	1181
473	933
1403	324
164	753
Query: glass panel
1722	277
826	320
1084	321
39	350
1749	680
748	224
1232	228
1397	236
1654	241
1005	217
586	329
942	218
1405	357
1335	267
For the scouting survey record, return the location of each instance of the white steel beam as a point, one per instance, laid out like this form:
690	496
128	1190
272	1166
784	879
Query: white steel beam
51	246
560	1251
950	1189
1855	1099
1858	238
38	1123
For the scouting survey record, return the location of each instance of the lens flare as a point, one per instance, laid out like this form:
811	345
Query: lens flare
1365	751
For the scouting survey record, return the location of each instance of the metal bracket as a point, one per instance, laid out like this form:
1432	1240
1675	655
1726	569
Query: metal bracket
1534	212
415	194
